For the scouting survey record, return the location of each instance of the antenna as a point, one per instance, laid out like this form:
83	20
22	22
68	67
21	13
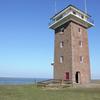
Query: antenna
55	6
85	6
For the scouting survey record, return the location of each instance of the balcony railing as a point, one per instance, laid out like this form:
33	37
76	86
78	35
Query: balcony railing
88	20
51	22
62	16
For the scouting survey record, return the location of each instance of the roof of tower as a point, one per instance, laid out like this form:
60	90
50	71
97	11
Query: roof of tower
71	13
69	7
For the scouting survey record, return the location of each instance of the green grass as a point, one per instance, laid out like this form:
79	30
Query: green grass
30	92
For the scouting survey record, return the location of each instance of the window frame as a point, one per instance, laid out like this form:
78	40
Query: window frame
81	59
74	12
61	59
62	30
80	43
61	44
80	30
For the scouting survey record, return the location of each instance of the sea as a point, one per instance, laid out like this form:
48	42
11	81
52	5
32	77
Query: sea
20	81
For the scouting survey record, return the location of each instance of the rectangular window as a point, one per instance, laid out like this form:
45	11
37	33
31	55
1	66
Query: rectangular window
61	44
82	16
80	30
81	59
62	30
61	59
80	43
74	12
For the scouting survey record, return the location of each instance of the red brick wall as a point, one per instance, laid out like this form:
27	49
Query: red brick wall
77	51
71	53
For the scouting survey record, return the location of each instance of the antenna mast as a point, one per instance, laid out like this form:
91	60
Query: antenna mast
55	6
85	6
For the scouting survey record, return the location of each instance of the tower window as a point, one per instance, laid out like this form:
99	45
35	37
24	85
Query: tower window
82	16
79	30
62	30
81	59
74	12
61	44
61	59
80	43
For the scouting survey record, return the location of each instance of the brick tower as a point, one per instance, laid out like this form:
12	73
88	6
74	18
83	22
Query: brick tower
71	55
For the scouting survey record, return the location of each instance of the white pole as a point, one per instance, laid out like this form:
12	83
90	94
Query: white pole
55	7
85	6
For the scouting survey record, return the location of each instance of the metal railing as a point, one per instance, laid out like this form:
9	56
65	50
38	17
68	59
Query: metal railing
88	20
53	21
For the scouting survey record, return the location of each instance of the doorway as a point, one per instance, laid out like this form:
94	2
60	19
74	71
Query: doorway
77	77
67	76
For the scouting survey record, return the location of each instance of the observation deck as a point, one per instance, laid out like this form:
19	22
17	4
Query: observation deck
71	13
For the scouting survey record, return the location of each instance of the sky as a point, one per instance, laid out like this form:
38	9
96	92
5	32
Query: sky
26	42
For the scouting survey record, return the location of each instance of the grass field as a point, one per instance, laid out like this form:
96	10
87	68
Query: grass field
30	92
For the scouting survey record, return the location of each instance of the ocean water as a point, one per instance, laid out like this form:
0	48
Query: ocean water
20	81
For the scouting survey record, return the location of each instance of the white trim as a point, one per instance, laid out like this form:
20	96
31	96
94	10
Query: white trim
60	13
64	11
60	19
70	13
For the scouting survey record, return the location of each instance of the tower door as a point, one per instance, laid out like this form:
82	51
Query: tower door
77	77
67	76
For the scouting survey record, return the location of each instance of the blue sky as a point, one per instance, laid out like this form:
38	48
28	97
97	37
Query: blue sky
26	43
